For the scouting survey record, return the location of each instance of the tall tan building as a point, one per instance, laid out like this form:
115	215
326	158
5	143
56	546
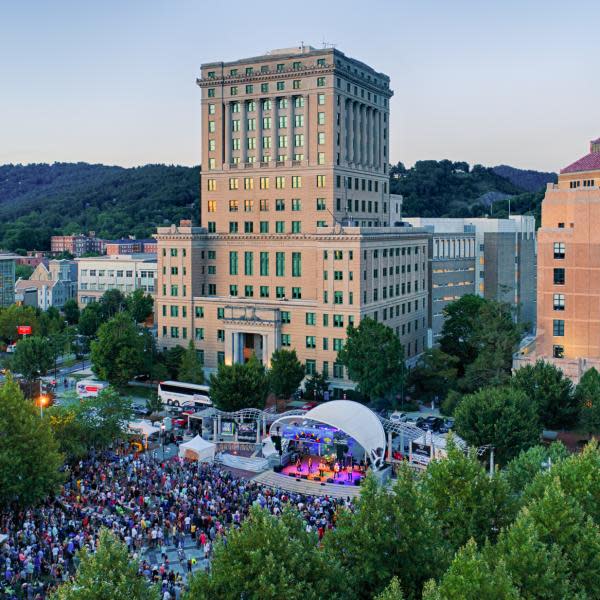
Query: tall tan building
568	297
296	238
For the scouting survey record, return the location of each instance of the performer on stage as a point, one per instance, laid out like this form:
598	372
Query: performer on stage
349	472
309	465
321	468
336	470
298	465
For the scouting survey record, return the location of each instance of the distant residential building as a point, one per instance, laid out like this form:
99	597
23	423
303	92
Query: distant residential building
568	296
493	258
48	286
33	259
7	279
126	273
130	246
77	245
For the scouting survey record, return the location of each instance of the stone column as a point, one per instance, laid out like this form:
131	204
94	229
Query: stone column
343	130
227	109
258	439
243	132
350	137
371	138
380	139
265	350
363	135
274	129
308	141
376	140
236	347
214	429
389	446
357	135
259	113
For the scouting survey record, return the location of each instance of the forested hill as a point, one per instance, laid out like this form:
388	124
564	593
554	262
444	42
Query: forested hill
40	200
455	189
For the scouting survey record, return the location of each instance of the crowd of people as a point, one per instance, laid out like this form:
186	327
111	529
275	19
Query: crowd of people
155	507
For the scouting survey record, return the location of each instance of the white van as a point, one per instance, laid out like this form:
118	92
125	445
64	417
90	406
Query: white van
90	388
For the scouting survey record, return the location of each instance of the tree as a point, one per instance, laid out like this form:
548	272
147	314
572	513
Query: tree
33	357
139	305
239	385
495	338
50	322
388	534
154	404
315	387
90	319
286	373
549	390
118	353
434	375
522	469
191	370
269	558
71	311
108	574
172	358
112	302
15	315
23	271
503	417
374	358
471	577
392	592
29	456
458	331
587	395
465	500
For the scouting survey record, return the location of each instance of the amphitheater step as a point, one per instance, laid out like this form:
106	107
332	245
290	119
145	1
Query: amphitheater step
306	487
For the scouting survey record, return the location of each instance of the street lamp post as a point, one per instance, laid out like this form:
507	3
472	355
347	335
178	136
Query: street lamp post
162	435
42	401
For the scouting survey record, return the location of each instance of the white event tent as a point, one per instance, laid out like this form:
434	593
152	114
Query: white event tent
198	449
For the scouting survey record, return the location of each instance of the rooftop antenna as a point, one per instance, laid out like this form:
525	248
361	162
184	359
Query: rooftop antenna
328	45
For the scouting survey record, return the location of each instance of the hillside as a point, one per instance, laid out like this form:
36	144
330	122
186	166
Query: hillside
455	189
40	200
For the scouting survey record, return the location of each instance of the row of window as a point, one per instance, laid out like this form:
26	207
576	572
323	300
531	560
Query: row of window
111	273
281	67
264	263
295	226
251	123
264	205
360	184
265	143
585	182
265	182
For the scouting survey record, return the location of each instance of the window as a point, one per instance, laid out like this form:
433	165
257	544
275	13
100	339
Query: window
296	181
338	255
558	327
264	226
220	313
279	204
249	89
558	302
280	264
299	100
311	341
212	227
297	293
296	204
296	84
282	141
559	277
310	318
233	290
264	183
320	158
558	351
285	316
311	367
280	86
199	312
285	340
233	205
296	226
211	127
320	99
338	275
321	204
248	227
299	139
199	333
264	291
320	81
264	264
280	182
248	205
212	206
296	264
233	183
321	138
174	332
320	181
264	205
248	291
299	122
338	320
264	88
338	344
248	263
559	250
338	297
279	226
338	371
211	92
233	263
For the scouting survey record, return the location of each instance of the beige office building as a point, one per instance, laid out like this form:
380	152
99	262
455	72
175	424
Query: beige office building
296	238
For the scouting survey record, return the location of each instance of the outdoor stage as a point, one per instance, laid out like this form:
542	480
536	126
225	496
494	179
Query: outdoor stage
343	478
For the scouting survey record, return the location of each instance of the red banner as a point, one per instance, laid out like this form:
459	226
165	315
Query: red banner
24	329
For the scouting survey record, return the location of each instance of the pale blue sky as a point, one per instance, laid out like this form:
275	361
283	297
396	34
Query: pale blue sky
514	82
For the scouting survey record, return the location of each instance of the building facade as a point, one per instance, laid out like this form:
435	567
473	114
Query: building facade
568	306
130	246
50	285
294	242
493	258
7	279
77	245
125	273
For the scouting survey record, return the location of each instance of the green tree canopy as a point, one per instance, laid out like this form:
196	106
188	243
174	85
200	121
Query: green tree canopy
269	558
398	526
286	373
139	305
113	301
118	353
71	311
392	592
29	456
466	501
15	315
374	358
33	357
552	392
108	574
587	396
502	417
90	319
434	375
471	577
315	387
240	385
191	370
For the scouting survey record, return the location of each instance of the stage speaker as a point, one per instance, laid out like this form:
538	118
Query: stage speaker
291	475
304	476
358	482
277	468
330	480
322	483
298	479
317	478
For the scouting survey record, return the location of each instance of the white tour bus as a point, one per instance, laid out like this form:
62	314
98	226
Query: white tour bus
186	395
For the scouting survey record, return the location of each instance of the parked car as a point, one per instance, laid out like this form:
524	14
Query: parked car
309	405
398	417
447	425
430	423
142	411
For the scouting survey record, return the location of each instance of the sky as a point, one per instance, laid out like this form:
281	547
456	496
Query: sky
113	82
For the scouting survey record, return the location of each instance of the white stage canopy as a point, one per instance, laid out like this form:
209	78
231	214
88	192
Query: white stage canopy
354	419
144	427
